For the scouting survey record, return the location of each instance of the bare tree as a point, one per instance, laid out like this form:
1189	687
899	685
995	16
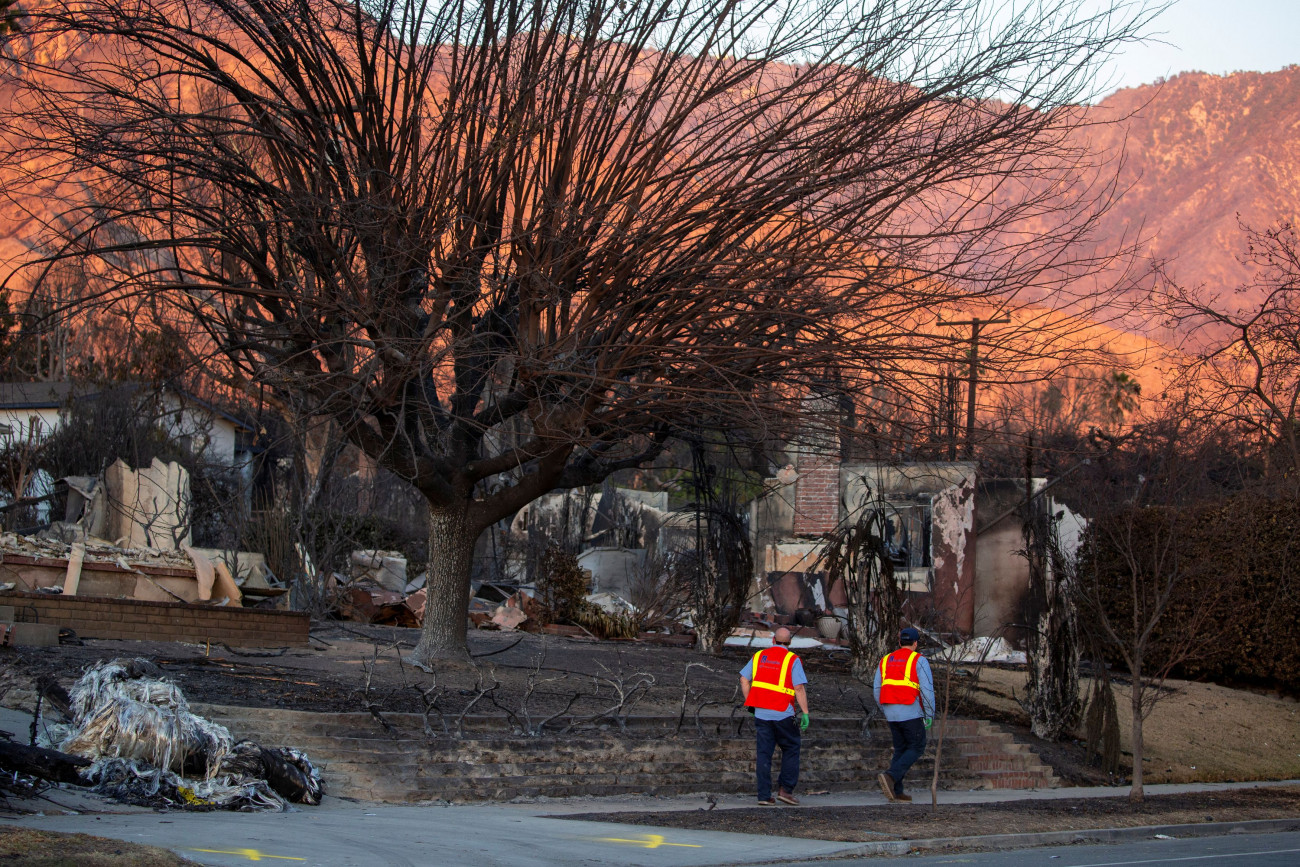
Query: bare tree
1146	601
1245	363
857	553
512	247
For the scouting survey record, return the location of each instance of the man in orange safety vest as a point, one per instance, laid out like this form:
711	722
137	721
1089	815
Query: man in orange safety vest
772	682
904	689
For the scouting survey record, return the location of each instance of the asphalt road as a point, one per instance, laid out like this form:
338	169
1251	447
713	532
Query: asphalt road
345	834
1256	850
353	835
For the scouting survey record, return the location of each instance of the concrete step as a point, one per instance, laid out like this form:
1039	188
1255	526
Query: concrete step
1018	779
1003	763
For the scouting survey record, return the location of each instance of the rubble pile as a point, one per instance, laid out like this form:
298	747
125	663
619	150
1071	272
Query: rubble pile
97	551
377	590
90	566
146	747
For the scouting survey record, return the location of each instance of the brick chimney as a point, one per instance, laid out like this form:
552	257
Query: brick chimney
817	490
817	495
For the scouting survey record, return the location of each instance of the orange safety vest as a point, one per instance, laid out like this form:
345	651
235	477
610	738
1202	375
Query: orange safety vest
898	683
772	679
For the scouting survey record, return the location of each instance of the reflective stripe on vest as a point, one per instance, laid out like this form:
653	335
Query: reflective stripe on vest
895	690
768	694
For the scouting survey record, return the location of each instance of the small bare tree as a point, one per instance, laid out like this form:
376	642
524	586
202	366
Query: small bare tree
1145	601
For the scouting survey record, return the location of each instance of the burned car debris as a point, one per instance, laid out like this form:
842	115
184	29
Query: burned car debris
130	735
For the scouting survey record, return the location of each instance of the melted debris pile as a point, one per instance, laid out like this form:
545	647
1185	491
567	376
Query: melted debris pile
148	749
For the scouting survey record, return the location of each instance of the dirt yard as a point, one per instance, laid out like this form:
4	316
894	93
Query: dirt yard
918	821
1199	733
349	666
23	847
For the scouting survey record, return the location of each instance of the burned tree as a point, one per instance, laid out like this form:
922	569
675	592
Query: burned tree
511	247
1052	631
857	554
718	564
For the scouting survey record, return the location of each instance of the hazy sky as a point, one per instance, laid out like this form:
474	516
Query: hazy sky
1217	36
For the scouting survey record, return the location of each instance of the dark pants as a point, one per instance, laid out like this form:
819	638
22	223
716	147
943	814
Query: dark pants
909	743
785	733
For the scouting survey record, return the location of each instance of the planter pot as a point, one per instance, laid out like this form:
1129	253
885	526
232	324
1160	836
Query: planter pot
828	627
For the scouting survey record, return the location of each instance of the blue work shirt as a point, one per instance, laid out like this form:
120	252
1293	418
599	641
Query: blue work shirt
922	708
797	678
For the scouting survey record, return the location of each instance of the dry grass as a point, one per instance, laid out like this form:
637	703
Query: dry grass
1199	732
24	847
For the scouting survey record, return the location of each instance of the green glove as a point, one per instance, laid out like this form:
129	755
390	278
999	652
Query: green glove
928	722
803	723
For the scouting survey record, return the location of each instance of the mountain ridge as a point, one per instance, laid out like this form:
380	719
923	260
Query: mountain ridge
1203	155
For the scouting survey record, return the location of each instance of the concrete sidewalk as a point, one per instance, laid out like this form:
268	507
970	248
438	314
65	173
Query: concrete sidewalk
865	798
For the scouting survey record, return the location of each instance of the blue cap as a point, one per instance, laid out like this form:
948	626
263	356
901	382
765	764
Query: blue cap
907	635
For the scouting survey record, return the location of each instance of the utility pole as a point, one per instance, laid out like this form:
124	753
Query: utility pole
972	380
948	410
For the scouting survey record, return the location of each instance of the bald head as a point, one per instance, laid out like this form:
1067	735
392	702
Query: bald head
781	636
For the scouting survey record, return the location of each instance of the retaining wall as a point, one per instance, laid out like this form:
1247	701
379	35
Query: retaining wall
133	619
359	759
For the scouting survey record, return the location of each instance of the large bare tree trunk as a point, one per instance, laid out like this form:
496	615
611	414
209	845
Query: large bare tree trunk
446	604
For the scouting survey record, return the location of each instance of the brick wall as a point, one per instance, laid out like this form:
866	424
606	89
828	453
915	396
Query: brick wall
97	617
817	496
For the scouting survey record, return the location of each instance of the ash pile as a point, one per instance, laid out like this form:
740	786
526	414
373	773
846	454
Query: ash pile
131	735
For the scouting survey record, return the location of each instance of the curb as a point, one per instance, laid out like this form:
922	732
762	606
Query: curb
1053	838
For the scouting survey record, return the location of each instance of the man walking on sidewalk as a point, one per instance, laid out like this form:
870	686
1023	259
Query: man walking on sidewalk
904	689
772	682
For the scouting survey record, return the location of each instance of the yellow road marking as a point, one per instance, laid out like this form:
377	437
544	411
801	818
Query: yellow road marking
250	854
647	841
